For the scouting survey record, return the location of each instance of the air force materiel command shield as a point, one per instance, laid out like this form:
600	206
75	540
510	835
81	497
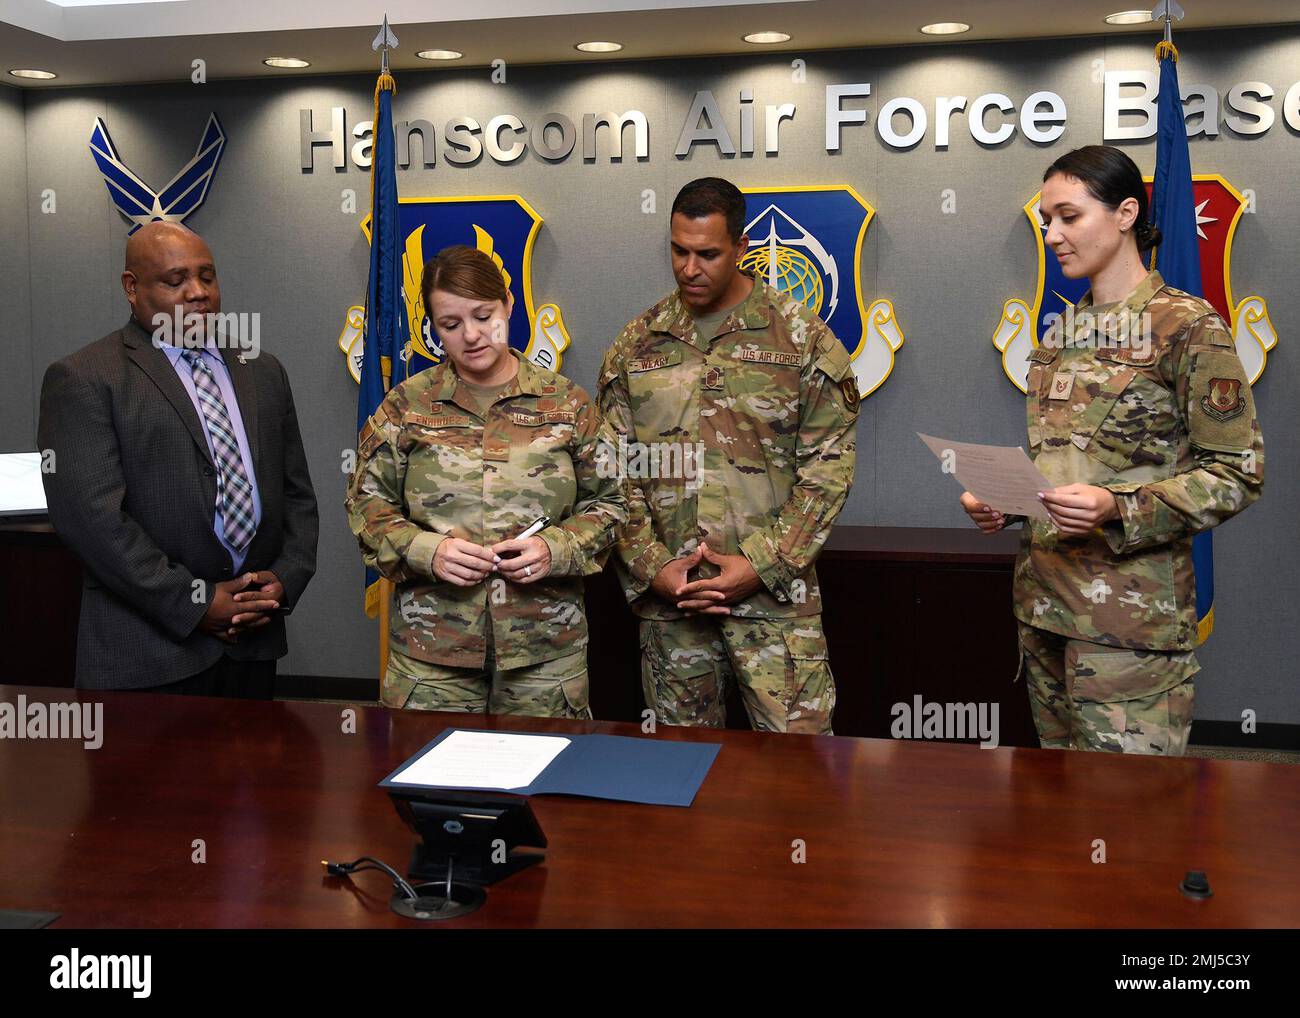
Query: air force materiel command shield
1224	401
502	226
807	242
1219	206
184	193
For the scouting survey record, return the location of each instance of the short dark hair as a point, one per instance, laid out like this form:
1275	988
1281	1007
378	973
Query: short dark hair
1110	176
706	195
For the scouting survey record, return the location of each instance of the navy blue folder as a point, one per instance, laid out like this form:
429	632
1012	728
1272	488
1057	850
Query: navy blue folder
653	771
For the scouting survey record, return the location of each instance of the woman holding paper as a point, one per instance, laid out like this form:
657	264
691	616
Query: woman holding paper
1140	414
483	490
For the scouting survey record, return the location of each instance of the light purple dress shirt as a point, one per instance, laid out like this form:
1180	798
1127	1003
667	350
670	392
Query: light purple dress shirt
222	375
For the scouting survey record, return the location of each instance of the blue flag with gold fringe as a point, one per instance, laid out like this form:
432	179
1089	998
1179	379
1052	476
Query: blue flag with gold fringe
385	329
1173	211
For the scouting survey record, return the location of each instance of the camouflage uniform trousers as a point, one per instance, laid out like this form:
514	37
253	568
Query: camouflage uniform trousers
688	665
550	689
1113	699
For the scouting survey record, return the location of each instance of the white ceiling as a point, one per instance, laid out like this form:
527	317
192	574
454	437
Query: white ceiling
71	20
104	43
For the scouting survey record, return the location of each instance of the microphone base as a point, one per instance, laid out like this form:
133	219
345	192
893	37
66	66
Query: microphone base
432	904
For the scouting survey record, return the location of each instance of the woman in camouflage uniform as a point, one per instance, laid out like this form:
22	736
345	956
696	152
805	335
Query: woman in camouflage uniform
1140	413
454	465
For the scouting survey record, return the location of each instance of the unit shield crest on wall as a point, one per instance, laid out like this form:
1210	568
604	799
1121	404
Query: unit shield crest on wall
807	242
1219	206
502	226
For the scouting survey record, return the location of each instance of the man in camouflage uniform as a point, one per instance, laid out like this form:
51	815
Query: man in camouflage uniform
1160	416
747	392
432	464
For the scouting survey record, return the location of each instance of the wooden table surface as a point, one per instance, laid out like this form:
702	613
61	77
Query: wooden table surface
896	834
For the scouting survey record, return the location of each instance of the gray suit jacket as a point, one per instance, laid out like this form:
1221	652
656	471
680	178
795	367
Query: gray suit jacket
132	493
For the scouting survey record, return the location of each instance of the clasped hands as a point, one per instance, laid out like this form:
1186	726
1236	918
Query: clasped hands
1076	509
465	563
235	608
712	596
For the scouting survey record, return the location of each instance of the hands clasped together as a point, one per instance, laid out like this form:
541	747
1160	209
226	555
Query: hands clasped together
712	596
241	604
465	563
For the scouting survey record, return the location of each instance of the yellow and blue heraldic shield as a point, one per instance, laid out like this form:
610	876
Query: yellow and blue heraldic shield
504	227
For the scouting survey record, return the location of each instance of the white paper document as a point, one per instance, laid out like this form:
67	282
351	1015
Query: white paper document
21	491
484	760
1002	477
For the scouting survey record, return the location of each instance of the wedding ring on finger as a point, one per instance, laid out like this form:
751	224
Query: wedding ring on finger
528	570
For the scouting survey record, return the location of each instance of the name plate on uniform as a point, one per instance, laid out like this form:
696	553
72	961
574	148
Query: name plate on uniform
769	357
440	421
535	418
651	363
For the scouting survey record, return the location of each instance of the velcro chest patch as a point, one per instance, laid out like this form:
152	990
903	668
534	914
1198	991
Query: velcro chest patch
783	357
640	364
439	420
536	418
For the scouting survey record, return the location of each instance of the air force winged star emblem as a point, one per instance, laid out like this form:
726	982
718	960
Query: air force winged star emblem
1219	206
184	193
807	242
505	228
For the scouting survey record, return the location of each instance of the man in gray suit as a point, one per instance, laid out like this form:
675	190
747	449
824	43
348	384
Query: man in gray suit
180	480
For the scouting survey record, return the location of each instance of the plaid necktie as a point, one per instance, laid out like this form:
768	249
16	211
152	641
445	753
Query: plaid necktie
234	493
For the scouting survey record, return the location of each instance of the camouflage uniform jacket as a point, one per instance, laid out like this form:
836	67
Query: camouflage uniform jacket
765	412
1163	419
431	465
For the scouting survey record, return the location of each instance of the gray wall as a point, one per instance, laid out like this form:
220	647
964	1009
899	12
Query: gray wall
17	397
285	249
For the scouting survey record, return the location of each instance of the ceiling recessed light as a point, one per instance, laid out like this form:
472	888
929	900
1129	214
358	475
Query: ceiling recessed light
946	28
28	72
766	38
286	62
599	47
1129	18
440	54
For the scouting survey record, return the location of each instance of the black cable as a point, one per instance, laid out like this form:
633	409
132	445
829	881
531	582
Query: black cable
346	869
398	881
